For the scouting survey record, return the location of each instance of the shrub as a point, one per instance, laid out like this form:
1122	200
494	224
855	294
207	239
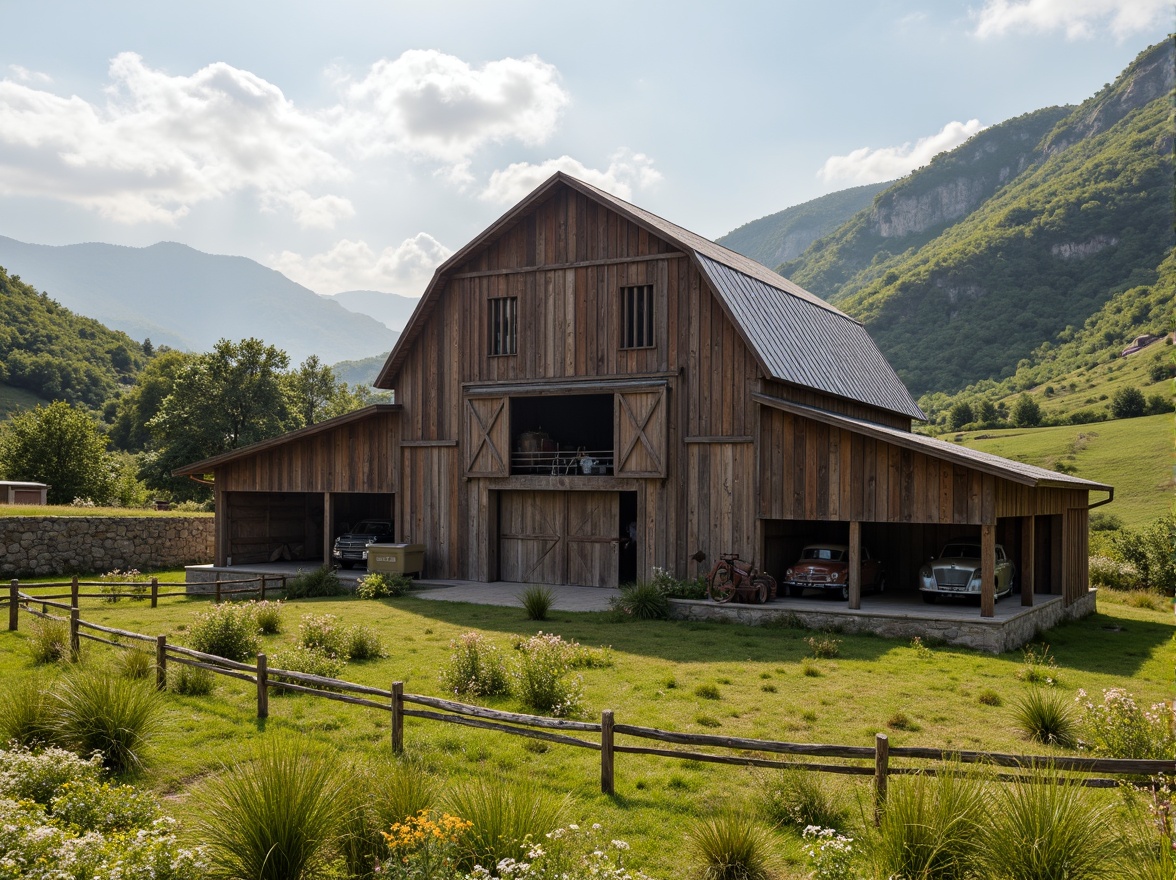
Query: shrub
362	643
314	584
1045	716
824	646
36	776
425	846
191	681
1112	573
569	853
1044	828
504	813
475	667
1118	727
228	630
542	677
48	640
379	585
536	601
731	845
644	601
309	661
100	712
104	807
928	827
380	795
27	715
800	798
1149	837
989	697
672	588
831	854
322	632
275	817
268	616
1150	550
1128	403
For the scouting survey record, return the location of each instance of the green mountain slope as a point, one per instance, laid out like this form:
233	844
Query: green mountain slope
48	351
786	234
1089	217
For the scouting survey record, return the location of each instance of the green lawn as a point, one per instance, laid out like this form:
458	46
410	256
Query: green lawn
762	688
1133	455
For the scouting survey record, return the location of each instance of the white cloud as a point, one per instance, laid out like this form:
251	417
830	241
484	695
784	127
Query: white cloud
1080	19
25	75
626	170
353	265
316	213
437	106
886	163
162	143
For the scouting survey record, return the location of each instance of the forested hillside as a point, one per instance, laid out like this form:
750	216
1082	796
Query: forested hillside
49	351
786	234
961	271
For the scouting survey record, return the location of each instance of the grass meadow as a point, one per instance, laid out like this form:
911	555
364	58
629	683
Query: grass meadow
686	676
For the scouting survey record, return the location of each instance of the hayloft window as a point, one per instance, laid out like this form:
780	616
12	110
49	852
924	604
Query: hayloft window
504	336
637	316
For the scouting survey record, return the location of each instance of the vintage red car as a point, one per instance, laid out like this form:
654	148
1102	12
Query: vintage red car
825	567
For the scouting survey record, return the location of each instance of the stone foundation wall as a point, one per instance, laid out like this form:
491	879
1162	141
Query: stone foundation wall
59	545
996	636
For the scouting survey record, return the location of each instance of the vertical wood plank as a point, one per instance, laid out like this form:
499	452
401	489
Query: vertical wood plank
987	570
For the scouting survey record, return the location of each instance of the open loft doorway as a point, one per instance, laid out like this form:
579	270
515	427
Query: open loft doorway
562	435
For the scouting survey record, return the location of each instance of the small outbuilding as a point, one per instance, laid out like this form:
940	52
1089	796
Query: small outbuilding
587	392
21	492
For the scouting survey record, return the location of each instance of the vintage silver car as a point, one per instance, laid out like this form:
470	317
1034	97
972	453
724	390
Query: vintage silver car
956	572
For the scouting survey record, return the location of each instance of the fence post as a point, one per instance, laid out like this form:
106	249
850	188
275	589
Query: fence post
75	643
13	606
263	588
397	717
160	662
881	768
262	687
73	592
606	752
217	589
155	592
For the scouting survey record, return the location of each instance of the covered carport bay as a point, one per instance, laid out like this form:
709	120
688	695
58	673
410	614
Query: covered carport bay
288	497
838	478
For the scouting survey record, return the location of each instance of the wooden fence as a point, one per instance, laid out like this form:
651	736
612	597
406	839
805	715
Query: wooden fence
870	761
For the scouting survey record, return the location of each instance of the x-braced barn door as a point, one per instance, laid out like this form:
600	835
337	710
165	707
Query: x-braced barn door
559	537
641	433
487	437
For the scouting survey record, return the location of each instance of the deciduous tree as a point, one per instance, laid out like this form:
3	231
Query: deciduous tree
59	445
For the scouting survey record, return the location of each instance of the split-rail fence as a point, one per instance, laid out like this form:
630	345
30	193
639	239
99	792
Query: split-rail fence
873	761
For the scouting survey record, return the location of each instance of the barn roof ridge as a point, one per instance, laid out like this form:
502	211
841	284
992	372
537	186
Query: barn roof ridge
796	336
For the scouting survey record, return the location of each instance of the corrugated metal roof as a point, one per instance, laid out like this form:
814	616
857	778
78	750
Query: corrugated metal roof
800	343
1017	471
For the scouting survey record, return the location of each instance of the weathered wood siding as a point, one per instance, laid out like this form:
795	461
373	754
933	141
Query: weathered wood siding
357	457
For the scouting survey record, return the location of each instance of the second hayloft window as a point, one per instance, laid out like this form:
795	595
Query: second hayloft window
637	316
504	336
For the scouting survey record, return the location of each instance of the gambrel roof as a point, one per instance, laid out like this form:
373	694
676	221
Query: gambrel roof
795	336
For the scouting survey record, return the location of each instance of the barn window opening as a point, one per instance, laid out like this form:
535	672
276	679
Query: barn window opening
504	337
637	316
562	435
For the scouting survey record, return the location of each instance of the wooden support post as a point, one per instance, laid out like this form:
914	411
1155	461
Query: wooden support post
155	592
988	570
13	605
263	588
262	687
217	590
855	564
73	592
160	662
397	717
606	752
75	643
1028	560
881	769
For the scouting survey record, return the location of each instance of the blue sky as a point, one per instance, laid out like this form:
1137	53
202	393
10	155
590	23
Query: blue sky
356	144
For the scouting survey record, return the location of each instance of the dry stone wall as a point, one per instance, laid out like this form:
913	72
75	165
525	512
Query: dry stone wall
53	545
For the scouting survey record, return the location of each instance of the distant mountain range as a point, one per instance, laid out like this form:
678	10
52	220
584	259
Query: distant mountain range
1022	236
178	296
390	309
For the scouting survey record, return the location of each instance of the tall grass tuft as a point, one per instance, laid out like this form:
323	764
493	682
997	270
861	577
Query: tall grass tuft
27	715
928	828
800	798
312	584
643	601
97	711
1048	828
190	681
504	814
48	640
731	845
136	663
1047	717
380	795
275	817
536	601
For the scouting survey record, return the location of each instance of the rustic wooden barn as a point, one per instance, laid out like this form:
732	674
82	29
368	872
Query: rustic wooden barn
585	371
